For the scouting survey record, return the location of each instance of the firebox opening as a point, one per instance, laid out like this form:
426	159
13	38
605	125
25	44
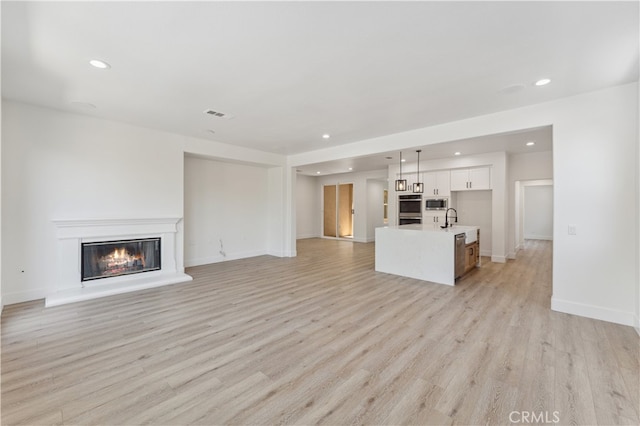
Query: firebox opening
113	258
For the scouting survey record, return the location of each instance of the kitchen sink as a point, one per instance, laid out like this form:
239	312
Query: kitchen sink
470	236
470	232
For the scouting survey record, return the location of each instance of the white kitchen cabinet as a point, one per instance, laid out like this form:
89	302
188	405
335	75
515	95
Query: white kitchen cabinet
437	184
471	179
436	218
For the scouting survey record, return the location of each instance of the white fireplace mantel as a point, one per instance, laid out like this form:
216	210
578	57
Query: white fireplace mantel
72	233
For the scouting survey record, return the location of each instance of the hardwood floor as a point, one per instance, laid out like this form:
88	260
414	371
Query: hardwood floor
321	338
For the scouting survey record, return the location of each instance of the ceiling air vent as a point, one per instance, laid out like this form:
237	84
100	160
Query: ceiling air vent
217	114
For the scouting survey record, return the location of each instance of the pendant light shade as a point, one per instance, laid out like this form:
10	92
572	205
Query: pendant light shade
418	187
401	184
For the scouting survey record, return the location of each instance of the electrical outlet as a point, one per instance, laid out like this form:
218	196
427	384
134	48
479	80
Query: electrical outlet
572	230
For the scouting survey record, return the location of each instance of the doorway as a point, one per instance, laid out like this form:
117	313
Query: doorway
338	210
533	211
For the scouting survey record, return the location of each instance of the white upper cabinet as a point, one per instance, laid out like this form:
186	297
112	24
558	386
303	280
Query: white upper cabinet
437	184
471	179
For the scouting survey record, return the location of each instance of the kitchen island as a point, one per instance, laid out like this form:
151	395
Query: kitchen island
423	251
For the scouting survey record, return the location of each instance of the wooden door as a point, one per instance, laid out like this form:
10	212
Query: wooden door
345	210
330	211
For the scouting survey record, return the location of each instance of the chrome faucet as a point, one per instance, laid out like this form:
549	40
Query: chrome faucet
446	218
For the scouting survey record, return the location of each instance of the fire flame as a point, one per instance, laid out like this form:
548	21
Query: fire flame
119	254
119	260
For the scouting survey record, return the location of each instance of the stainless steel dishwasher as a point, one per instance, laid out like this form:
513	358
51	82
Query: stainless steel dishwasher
460	249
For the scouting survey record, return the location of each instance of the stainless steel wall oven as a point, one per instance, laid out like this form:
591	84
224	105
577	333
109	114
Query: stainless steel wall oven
409	209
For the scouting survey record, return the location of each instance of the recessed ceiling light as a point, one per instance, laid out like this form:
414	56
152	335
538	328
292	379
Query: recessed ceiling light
350	168
317	173
403	160
457	153
530	143
326	136
99	64
543	82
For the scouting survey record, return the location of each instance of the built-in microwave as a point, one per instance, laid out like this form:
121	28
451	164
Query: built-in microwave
436	204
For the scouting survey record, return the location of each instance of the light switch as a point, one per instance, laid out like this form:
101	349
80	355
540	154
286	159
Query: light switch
572	230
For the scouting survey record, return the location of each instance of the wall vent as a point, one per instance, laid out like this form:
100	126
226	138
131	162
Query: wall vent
217	114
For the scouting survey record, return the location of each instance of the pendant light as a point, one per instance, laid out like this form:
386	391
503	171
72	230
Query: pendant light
401	184
418	187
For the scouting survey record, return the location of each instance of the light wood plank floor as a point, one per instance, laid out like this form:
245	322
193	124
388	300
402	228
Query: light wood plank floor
321	338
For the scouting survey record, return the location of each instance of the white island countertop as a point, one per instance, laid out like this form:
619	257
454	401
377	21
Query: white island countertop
425	252
470	231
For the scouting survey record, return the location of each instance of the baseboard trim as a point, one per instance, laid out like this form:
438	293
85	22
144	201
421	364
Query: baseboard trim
217	259
290	253
24	296
307	236
498	259
538	237
595	312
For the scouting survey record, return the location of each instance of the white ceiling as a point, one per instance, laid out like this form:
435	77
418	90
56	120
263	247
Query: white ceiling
291	71
511	143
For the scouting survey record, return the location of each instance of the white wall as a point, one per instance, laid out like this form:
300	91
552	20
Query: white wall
538	212
361	232
307	207
277	199
1	303
280	238
375	206
60	166
223	202
1	225
595	138
593	271
530	166
475	209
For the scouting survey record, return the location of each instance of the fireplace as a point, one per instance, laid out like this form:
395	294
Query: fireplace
115	258
105	257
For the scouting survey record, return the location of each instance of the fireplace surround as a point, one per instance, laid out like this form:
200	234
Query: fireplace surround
117	272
